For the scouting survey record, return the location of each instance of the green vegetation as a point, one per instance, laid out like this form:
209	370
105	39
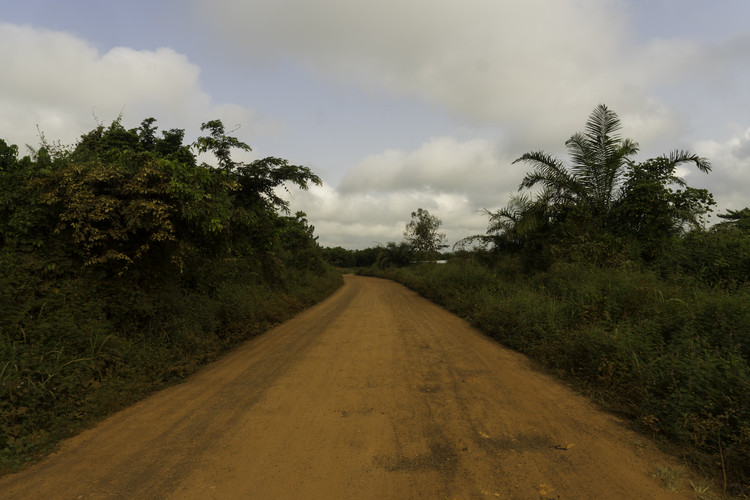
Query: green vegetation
422	236
125	264
422	242
608	277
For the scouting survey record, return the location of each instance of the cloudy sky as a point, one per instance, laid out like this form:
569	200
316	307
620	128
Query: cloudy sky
395	104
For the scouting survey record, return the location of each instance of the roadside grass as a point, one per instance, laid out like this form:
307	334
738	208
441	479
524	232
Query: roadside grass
72	353
672	354
672	477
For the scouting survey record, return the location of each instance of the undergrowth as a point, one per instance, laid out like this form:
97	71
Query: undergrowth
72	352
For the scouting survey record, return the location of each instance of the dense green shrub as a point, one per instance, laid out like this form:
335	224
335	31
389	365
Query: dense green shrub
718	257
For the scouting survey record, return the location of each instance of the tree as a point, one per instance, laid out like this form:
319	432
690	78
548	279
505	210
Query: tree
598	157
339	256
600	160
128	201
511	227
8	155
422	234
259	180
651	210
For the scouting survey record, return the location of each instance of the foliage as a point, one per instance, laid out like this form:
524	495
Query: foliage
341	257
422	236
739	219
598	157
125	264
718	257
394	254
652	212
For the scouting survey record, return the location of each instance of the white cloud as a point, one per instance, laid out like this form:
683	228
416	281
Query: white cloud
453	180
477	169
540	65
362	220
536	68
64	85
729	180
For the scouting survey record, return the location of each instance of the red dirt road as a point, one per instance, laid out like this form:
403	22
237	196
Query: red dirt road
374	393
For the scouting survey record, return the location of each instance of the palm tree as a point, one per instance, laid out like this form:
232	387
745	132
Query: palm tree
599	161
736	218
524	215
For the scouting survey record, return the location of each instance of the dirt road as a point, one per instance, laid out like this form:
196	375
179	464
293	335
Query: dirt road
374	393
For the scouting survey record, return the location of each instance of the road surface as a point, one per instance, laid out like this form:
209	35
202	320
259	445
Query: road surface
373	393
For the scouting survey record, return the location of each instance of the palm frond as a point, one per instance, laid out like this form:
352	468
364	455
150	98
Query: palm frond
540	158
602	125
551	173
679	156
581	153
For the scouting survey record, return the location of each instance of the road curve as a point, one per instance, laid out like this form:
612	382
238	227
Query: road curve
373	393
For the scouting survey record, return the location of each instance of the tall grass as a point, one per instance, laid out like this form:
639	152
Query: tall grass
671	355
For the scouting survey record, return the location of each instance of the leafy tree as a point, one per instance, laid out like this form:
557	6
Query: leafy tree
524	226
298	241
650	210
719	256
422	234
258	181
366	257
510	227
125	197
8	156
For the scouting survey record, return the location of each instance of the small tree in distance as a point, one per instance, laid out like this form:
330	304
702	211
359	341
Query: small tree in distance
422	234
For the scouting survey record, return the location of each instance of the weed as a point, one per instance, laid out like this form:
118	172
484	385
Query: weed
672	477
702	489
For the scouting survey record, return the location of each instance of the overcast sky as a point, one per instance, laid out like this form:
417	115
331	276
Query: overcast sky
395	104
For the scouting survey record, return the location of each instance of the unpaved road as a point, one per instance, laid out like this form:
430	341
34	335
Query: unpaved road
374	393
